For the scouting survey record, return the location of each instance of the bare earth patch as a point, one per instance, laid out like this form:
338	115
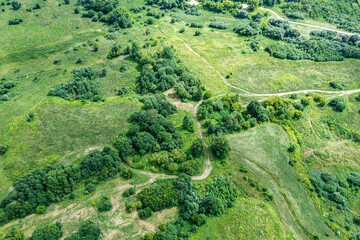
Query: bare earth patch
171	96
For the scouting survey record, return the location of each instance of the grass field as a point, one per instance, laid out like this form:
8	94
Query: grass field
248	219
264	150
61	131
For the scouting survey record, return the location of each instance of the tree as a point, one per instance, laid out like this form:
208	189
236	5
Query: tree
135	52
197	148
188	123
88	231
220	147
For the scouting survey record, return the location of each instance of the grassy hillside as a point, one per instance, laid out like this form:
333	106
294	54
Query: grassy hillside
264	149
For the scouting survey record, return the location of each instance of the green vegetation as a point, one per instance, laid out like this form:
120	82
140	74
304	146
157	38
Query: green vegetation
164	83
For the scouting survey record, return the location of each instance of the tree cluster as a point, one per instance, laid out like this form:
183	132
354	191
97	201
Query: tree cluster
163	71
83	87
221	6
218	195
329	186
167	4
107	11
88	231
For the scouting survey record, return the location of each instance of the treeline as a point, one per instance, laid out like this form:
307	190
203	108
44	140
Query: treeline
323	46
83	87
168	4
107	11
38	189
226	115
221	6
344	14
153	134
87	230
195	206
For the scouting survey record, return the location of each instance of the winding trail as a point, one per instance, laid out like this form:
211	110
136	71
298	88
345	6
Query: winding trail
304	24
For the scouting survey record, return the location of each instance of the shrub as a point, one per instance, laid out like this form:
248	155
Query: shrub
182	30
15	21
76	11
306	100
242	14
197	33
3	149
217	25
292	148
67	2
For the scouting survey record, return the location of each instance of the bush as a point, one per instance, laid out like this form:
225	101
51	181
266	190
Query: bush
3	149
182	30
76	11
197	33
197	148
217	25
67	2
15	21
292	148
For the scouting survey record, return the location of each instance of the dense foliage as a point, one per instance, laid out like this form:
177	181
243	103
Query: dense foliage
83	87
162	71
88	231
221	6
194	206
106	11
48	232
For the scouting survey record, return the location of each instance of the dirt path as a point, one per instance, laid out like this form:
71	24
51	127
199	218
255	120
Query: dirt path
280	202
249	94
304	24
212	67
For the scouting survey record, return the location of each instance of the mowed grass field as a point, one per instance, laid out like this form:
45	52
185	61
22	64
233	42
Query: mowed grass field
263	150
